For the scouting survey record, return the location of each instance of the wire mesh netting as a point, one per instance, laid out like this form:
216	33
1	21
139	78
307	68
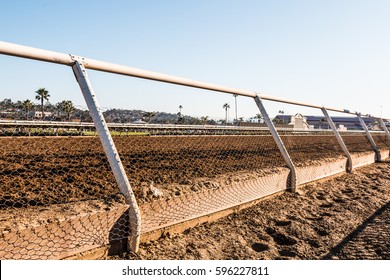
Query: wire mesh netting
356	141
49	175
59	197
182	161
381	140
52	174
310	147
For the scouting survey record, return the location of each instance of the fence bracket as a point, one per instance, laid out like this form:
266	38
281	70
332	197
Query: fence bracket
110	150
279	143
339	139
370	139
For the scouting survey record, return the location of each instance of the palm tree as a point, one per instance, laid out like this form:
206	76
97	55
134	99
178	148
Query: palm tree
148	116
226	106
179	116
258	117
276	120
322	122
235	101
67	107
42	94
27	106
204	119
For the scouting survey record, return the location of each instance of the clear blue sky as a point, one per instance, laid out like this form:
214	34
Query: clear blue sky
332	53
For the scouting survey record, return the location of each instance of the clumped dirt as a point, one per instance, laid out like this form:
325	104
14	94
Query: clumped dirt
40	171
345	217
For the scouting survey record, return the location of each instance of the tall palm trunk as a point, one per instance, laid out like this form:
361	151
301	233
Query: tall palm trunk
43	112
226	115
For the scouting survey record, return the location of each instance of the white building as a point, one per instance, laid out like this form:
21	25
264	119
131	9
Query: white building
299	121
38	114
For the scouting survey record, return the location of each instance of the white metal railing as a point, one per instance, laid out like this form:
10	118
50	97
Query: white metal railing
79	66
66	59
152	126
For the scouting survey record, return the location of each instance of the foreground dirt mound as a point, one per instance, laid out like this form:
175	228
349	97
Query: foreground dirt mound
346	217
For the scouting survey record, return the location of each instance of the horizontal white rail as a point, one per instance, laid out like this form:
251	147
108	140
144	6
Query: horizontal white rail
55	124
66	59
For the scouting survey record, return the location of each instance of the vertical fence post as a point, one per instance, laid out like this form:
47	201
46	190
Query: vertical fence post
111	152
279	143
384	128
369	137
339	139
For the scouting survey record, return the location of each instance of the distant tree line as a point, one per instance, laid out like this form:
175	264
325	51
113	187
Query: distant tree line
66	111
44	110
130	116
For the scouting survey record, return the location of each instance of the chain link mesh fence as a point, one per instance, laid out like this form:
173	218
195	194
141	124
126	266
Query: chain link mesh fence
50	174
59	197
381	140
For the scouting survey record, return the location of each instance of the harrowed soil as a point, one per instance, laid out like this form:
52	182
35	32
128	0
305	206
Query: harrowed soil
40	171
345	217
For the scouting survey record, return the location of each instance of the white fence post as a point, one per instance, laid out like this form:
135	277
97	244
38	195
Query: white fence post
384	128
339	139
111	152
372	142
279	143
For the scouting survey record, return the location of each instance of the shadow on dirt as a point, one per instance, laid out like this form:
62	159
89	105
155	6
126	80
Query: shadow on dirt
375	248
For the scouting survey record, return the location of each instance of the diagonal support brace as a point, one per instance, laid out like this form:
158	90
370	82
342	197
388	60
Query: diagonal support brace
370	139
385	129
279	143
339	139
111	152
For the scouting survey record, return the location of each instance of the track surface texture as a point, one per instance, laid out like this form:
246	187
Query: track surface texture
345	217
54	170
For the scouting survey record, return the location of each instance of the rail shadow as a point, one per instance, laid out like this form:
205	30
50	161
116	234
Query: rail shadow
337	251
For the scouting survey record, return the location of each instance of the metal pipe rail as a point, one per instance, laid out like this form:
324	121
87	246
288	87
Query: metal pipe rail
57	124
66	59
79	66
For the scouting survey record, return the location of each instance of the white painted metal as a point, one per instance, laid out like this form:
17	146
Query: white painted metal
279	143
58	124
60	58
370	139
339	139
384	128
111	152
34	53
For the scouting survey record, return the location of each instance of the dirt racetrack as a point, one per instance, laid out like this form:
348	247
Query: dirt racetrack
53	170
345	217
56	172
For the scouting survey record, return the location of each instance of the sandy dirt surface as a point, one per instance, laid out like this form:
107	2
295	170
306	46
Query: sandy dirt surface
40	171
43	180
345	217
